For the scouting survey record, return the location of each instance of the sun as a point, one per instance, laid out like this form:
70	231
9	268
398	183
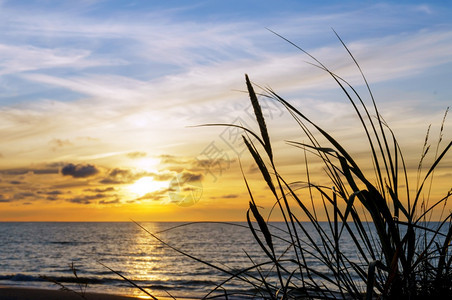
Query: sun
146	185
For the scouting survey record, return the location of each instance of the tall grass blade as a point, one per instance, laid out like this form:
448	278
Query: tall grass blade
259	117
440	157
260	163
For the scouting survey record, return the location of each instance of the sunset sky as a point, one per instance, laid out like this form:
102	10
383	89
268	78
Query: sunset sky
98	99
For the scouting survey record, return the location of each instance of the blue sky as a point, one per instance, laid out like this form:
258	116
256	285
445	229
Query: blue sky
91	81
146	40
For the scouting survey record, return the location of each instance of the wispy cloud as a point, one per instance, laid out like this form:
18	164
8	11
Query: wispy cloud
22	58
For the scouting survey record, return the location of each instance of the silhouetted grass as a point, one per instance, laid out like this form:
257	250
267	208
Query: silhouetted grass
82	284
400	254
377	241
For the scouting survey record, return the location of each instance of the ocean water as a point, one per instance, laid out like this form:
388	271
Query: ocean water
34	254
29	251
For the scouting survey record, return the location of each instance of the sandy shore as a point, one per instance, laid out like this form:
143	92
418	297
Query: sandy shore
20	293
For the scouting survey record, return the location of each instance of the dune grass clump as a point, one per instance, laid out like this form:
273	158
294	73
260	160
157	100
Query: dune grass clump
377	242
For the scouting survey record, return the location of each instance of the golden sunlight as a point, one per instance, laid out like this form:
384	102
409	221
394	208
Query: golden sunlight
146	185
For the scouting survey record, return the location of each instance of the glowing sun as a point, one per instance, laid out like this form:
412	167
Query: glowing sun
146	185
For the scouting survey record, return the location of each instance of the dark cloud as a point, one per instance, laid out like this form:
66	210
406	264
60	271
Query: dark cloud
45	171
186	178
72	184
230	196
189	189
176	169
99	198
115	201
23	195
79	170
56	164
120	173
3	199
87	199
56	192
253	169
110	181
163	176
108	189
185	182
127	176
191	177
15	172
15	182
213	167
79	200
155	196
137	154
23	171
124	176
52	195
8	189
170	159
119	176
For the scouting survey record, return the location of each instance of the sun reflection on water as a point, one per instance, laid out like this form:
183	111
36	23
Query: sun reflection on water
146	262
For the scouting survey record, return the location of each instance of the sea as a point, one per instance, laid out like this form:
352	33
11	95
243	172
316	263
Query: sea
180	260
45	255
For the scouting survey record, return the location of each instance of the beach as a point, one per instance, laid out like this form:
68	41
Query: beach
22	293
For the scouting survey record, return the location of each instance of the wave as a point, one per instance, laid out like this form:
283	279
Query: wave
61	279
69	243
109	281
193	287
